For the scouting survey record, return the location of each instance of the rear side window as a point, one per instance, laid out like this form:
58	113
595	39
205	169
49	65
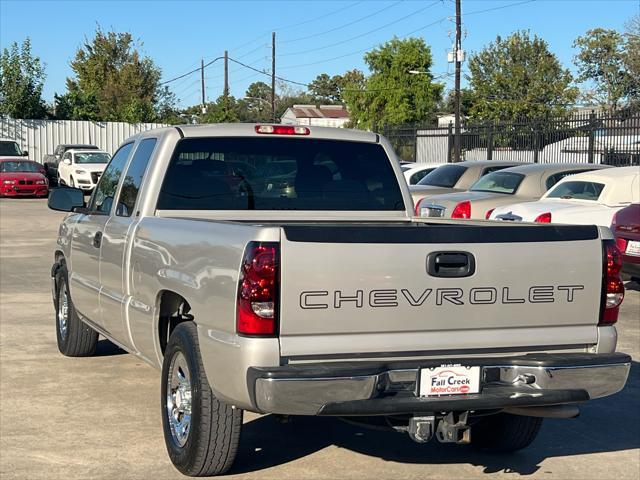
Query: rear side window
494	169
133	178
10	149
556	177
416	177
577	190
103	196
445	176
247	173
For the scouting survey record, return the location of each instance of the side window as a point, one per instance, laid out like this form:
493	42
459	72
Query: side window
416	177
67	156
553	179
133	178
102	198
494	169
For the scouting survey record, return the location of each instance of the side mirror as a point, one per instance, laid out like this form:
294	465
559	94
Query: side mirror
66	161
25	153
65	199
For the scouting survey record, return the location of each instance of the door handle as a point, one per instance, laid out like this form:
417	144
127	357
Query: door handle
97	239
451	264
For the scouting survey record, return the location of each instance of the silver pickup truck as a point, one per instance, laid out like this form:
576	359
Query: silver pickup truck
278	269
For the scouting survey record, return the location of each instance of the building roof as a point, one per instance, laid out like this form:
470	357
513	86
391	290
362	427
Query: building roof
323	111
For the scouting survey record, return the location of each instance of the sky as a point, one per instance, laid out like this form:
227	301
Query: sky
312	37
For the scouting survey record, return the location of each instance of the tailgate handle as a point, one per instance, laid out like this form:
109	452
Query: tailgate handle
451	264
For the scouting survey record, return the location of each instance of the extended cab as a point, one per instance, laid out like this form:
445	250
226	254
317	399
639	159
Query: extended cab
328	298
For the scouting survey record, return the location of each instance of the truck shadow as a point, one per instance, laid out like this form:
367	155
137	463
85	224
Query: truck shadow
604	425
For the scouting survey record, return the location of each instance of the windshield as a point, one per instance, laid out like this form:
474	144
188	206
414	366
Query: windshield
279	174
498	182
444	176
10	149
91	158
577	190
8	167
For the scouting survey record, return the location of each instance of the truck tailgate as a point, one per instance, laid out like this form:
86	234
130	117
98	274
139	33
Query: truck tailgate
365	290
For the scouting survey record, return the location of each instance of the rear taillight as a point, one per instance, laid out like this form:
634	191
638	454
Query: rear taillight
282	130
612	286
543	218
258	289
488	214
621	243
462	210
417	209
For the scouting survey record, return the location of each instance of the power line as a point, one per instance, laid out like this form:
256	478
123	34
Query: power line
192	71
297	24
342	26
362	50
324	47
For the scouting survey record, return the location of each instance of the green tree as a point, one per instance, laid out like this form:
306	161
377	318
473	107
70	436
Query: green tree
326	89
601	62
223	110
632	58
114	82
518	77
466	102
21	81
391	95
256	104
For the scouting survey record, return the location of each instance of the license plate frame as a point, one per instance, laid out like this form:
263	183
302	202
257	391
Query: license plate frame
447	380
633	248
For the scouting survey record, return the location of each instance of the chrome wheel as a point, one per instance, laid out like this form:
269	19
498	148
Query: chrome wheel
179	399
63	312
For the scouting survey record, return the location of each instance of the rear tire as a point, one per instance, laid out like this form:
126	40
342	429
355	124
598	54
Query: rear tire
201	432
504	432
75	338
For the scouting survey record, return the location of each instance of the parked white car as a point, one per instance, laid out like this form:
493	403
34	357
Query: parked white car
414	172
82	168
586	198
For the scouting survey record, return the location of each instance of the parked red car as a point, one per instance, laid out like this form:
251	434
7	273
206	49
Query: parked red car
626	229
21	178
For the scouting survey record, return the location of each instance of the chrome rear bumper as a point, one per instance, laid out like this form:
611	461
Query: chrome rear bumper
365	388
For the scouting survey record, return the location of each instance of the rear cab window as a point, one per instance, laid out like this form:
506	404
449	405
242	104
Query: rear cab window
445	176
577	190
246	173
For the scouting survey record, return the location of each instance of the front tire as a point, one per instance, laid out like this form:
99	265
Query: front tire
504	432
75	338
201	432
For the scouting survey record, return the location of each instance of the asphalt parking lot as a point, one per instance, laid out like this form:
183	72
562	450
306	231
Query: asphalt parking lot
99	417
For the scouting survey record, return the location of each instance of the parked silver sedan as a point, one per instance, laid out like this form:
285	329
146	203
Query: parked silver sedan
523	183
455	177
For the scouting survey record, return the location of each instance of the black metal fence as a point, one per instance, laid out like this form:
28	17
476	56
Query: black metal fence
579	138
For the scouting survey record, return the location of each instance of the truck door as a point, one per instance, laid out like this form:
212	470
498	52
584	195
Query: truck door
87	238
116	240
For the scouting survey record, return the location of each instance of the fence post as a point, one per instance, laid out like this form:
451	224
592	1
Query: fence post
490	141
591	138
450	142
536	142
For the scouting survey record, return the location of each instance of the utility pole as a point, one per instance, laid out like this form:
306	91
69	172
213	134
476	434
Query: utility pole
457	57
273	76
204	108
226	73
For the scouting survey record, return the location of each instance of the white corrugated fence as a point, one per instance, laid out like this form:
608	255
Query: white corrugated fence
39	137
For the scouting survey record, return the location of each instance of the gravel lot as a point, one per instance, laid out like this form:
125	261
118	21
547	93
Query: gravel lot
99	417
